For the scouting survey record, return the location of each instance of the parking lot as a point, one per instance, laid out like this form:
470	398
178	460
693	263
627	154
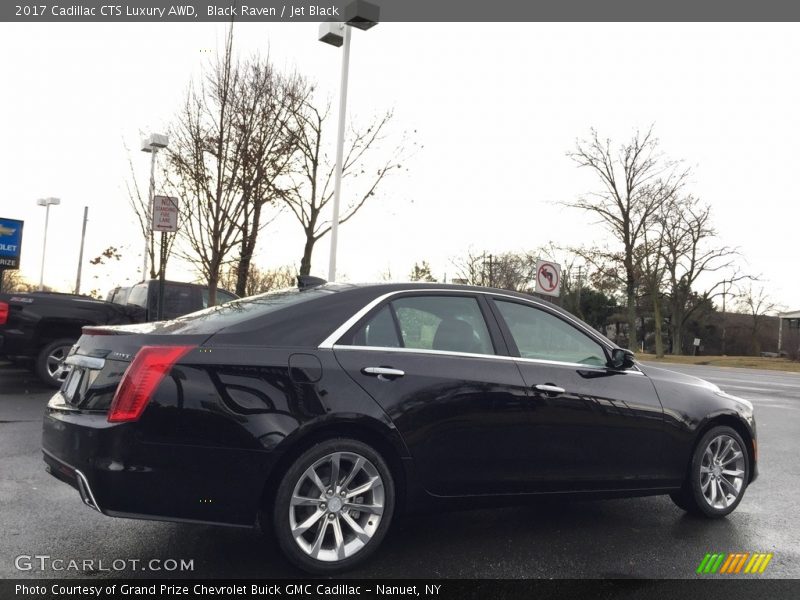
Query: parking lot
646	537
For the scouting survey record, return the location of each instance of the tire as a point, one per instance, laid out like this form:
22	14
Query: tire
718	475
336	536
49	362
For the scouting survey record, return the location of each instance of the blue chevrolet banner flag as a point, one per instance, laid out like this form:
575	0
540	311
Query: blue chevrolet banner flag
10	243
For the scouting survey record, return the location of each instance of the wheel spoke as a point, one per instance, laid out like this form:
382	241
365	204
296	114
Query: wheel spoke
373	509
704	469
705	483
308	523
713	497
724	452
335	461
722	494
312	475
303	501
353	472
339	537
363	488
360	533
729	485
736	456
323	527
733	473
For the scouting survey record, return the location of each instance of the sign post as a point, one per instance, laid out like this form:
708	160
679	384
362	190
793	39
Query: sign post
165	220
10	246
548	278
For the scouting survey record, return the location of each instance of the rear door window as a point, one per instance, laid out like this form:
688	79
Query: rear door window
428	322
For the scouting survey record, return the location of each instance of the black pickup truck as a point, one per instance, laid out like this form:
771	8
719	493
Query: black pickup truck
41	327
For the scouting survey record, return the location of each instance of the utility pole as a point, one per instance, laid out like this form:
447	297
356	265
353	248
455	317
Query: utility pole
80	254
578	292
491	275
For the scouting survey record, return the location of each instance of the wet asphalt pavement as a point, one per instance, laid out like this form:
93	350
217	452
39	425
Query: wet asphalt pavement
643	537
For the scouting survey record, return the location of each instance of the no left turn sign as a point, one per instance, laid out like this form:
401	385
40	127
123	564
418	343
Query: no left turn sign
548	278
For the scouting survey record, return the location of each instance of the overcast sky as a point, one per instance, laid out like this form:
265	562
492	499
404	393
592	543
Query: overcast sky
495	107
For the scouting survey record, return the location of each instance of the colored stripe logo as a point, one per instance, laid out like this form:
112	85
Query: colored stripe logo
733	564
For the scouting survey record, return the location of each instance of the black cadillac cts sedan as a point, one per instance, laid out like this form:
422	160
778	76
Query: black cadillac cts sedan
323	412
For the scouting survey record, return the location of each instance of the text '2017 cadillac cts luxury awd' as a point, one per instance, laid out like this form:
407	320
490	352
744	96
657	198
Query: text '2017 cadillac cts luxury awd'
325	411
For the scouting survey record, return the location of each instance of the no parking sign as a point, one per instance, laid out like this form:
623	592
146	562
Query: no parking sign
548	278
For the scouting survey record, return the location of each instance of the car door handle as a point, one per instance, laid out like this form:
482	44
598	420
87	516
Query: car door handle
550	389
383	372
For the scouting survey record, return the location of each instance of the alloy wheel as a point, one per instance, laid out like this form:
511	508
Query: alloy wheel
722	471
336	506
55	362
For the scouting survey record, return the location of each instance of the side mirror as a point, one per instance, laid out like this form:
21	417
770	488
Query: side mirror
621	359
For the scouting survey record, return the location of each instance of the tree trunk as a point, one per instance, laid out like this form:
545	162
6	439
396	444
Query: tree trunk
677	339
213	281
631	289
308	249
657	326
249	240
243	269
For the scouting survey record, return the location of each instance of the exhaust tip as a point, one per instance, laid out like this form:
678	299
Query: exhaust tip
85	491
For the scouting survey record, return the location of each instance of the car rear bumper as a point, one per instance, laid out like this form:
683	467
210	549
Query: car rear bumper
74	477
119	474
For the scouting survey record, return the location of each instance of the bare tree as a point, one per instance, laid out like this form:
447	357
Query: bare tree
422	272
635	181
688	253
263	114
470	268
206	166
12	281
757	304
259	281
653	267
313	177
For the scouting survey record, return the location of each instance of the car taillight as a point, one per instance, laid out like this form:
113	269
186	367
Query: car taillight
141	378
3	313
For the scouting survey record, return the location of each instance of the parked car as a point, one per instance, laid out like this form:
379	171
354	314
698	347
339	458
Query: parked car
323	413
42	326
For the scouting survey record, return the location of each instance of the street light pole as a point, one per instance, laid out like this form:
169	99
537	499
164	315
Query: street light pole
363	15
337	187
152	144
151	194
47	203
80	254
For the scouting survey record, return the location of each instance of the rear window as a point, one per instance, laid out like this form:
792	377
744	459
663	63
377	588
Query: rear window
138	295
240	310
222	297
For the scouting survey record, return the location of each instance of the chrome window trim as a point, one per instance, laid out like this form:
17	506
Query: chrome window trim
541	361
329	343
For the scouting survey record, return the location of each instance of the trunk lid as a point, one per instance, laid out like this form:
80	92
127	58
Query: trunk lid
99	359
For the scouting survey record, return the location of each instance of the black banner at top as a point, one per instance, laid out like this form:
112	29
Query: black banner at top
291	11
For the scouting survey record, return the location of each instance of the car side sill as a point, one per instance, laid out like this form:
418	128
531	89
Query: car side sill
127	515
621	491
